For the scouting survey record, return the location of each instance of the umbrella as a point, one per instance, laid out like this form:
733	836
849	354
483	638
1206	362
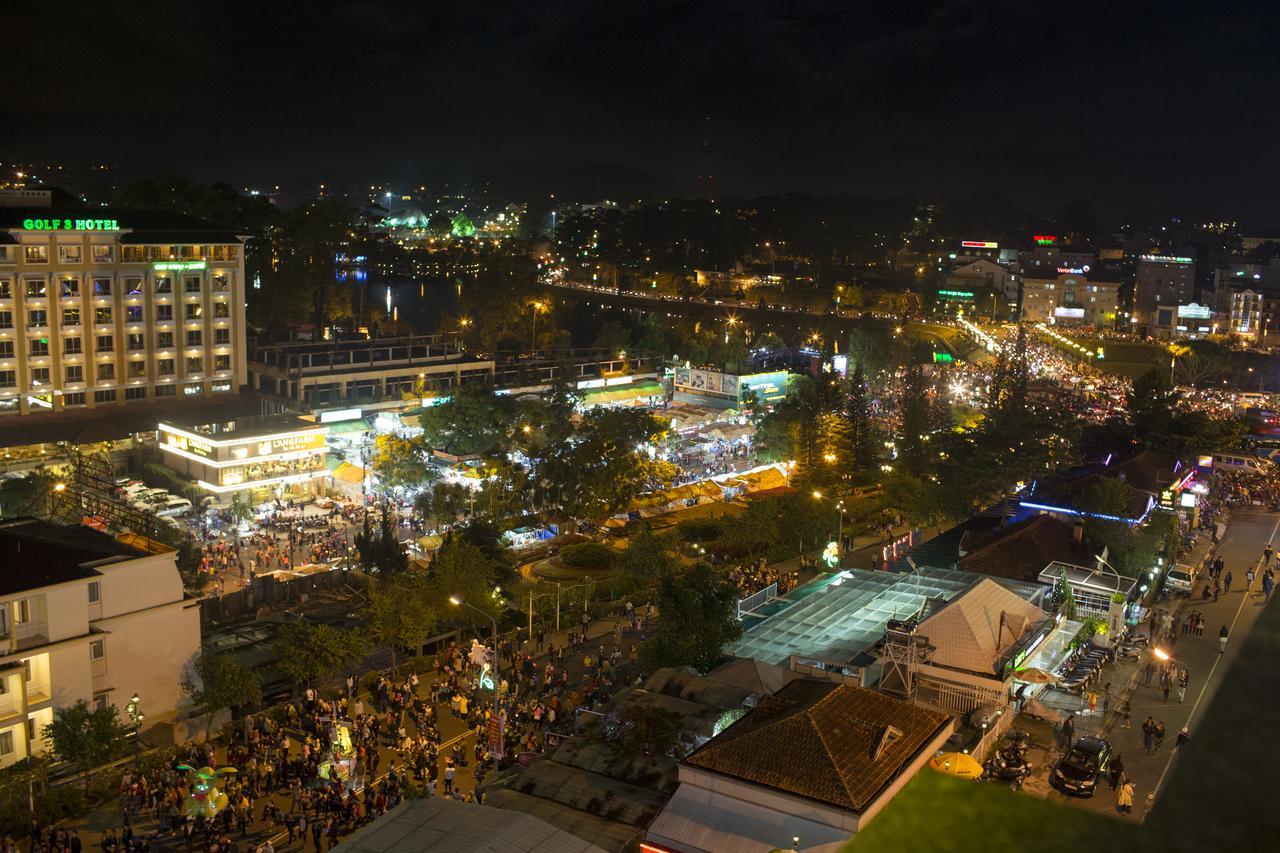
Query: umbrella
1032	675
960	764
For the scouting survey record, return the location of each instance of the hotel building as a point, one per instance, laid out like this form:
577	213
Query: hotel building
106	308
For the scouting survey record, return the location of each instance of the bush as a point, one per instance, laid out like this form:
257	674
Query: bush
160	477
700	529
589	556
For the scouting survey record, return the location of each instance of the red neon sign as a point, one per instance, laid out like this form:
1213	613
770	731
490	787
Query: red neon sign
1045	239
979	244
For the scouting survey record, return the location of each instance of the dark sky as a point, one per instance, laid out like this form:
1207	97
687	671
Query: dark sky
1139	108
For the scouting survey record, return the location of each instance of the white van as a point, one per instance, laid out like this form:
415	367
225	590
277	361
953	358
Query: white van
174	506
1241	462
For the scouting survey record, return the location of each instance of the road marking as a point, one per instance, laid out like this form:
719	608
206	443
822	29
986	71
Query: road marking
1248	597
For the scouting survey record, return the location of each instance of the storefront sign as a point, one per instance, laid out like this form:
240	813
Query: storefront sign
190	445
1074	270
1046	239
949	295
1194	311
287	444
161	266
70	225
979	244
1166	259
340	415
1069	313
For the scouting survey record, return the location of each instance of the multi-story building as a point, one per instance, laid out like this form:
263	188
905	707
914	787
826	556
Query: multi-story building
1163	281
1070	298
104	308
260	457
1246	299
986	274
87	616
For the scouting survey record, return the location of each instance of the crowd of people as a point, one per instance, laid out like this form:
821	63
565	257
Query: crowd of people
750	578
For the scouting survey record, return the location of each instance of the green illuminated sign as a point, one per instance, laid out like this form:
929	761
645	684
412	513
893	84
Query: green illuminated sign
71	225
179	265
942	358
462	226
955	294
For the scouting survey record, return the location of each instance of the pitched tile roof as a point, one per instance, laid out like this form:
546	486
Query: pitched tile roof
834	743
1022	550
973	630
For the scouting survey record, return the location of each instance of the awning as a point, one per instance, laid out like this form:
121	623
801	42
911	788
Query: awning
696	819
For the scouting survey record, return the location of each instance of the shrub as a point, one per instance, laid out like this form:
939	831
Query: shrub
589	556
700	529
160	477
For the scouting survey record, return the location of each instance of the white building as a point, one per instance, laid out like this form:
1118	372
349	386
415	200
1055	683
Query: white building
85	616
988	274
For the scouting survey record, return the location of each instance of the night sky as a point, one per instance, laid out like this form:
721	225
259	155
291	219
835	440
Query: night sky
1141	109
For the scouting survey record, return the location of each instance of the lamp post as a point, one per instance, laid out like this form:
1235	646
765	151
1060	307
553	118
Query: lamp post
839	506
459	601
134	710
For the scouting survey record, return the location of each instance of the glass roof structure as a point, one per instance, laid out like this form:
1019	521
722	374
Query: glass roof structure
847	613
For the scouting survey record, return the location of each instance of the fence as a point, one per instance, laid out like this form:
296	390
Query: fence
269	592
993	735
757	599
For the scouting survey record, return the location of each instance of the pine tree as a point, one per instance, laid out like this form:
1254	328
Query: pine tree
862	432
913	421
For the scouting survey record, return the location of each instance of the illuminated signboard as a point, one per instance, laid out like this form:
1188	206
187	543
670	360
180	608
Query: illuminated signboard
942	358
767	386
1166	259
1070	313
70	225
190	445
287	444
179	265
337	415
1074	270
1045	239
1187	499
951	295
1195	312
979	244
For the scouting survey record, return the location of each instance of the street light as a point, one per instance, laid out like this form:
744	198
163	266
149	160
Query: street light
459	601
134	710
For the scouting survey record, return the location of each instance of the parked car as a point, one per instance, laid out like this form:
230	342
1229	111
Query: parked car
1180	580
174	506
1078	771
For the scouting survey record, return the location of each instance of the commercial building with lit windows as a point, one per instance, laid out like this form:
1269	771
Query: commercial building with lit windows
261	457
106	308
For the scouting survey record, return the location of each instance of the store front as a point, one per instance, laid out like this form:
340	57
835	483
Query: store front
260	458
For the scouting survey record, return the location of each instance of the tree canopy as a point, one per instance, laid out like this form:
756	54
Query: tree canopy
697	617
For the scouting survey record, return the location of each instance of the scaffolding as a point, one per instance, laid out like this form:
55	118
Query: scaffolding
904	650
89	498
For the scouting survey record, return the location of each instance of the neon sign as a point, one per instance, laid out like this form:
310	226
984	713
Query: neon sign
956	294
1074	270
1166	259
979	244
1045	239
71	225
160	266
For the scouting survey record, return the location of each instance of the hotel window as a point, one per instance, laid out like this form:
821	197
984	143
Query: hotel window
106	371
164	367
105	396
166	390
102	287
102	315
137	369
222	336
6	349
70	287
164	313
221	282
6	319
39	376
194	338
103	254
75	373
136	341
195	364
133	313
222	362
133	254
39	347
106	343
164	285
38	317
71	346
221	310
8	378
191	284
36	254
69	255
194	311
133	286
139	393
73	399
71	316
35	288
164	340
6	289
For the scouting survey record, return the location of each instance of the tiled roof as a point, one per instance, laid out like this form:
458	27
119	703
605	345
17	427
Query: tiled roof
1021	550
972	631
1148	471
834	743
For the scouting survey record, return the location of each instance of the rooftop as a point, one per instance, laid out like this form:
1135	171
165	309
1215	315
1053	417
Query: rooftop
1021	550
248	426
834	743
37	554
136	226
846	617
973	631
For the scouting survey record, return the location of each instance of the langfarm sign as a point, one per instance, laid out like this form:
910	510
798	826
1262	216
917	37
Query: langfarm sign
70	225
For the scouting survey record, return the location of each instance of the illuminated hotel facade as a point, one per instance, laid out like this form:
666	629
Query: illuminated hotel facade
262	456
98	309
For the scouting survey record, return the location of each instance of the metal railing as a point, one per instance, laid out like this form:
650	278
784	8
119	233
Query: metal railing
758	599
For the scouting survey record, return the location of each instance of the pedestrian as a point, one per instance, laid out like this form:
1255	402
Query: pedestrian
1159	735
1148	734
1147	671
1165	683
1184	735
1091	699
1125	711
1184	678
1226	584
1268	586
1267	553
1117	772
1068	731
1124	799
1248	578
1216	589
1222	640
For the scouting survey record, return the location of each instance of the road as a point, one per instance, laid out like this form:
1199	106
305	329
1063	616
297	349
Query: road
1247	535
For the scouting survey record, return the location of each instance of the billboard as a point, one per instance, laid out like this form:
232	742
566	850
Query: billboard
1069	313
769	387
979	244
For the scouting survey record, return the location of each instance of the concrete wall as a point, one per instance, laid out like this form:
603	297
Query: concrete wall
148	653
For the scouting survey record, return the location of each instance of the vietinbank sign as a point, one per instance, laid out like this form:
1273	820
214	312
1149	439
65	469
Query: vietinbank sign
71	225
